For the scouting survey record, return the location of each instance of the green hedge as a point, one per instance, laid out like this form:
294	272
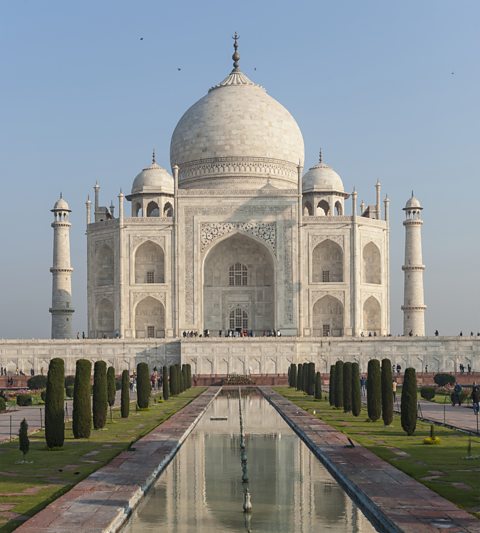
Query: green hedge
165	387
24	400
347	387
374	390
82	392
339	384
37	382
100	394
144	387
331	386
387	392
444	379
3	404
318	386
125	395
356	392
408	405
69	391
54	404
111	388
428	393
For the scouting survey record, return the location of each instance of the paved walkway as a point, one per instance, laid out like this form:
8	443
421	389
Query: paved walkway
391	499
102	501
460	417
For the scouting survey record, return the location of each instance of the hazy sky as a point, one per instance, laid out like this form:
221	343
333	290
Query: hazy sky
389	90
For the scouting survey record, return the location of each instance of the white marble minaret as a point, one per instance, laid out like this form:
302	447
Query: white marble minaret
61	270
413	304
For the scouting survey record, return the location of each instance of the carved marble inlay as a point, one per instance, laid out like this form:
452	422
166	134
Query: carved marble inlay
210	232
316	239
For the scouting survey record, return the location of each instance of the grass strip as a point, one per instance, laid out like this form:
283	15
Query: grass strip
444	468
27	488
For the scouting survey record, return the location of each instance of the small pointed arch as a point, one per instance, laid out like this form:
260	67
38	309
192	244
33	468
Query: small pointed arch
307	209
149	263
323	208
372	266
152	209
168	210
149	318
105	318
328	317
338	208
104	268
137	209
327	262
372	316
237	275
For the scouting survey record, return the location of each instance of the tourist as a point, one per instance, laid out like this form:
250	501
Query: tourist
398	369
363	385
469	368
426	369
475	398
436	333
394	390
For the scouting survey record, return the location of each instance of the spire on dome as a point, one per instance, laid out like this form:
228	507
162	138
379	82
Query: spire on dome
153	157
236	55
320	159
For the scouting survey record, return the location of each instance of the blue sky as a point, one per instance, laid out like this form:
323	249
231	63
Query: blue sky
389	90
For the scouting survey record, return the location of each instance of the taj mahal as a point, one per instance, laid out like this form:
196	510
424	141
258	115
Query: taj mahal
239	240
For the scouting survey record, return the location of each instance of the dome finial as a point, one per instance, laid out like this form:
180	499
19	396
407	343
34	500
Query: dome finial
320	158
153	157
412	193
236	55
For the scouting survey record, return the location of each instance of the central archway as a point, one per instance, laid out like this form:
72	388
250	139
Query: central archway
239	286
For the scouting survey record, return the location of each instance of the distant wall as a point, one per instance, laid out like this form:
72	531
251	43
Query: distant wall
260	355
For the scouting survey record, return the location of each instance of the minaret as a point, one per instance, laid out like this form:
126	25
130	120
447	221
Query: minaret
413	305
61	270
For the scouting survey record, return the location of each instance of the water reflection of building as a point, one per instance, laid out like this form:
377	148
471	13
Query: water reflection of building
202	491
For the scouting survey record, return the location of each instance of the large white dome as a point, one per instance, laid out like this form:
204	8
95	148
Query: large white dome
237	135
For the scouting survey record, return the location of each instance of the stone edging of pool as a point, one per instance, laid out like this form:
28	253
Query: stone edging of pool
392	500
104	500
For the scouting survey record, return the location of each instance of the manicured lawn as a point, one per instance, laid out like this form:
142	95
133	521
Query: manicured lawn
443	468
27	488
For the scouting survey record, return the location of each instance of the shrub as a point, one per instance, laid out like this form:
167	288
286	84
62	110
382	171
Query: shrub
173	381
144	387
43	395
118	383
23	440
166	388
408	404
3	404
82	414
305	377
189	375
444	379
311	379
37	382
54	408
293	376
23	400
125	395
374	390
356	392
347	387
432	439
331	386
69	381
299	376
339	384
428	393
111	389
387	392
69	391
99	394
318	386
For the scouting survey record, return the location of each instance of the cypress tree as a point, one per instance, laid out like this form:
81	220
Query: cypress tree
318	386
144	387
305	377
288	375
99	394
331	386
166	388
54	408
374	390
82	415
387	392
347	387
111	388
173	389
23	440
189	373
356	392
408	406
339	384
294	375
300	377
184	377
125	395
311	379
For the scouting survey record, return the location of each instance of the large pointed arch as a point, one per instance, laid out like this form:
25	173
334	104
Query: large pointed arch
255	295
372	265
104	267
328	317
372	316
105	318
149	263
149	318
327	262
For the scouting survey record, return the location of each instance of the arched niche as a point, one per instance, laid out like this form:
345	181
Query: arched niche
149	319
256	292
323	208
338	208
372	316
149	263
372	267
328	317
152	209
327	262
307	209
105	318
168	210
137	209
104	266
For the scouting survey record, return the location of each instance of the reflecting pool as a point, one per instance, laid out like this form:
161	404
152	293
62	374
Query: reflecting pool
201	490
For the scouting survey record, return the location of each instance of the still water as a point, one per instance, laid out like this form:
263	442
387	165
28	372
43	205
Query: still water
201	490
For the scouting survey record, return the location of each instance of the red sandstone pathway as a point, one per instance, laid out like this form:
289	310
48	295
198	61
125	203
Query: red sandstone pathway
397	500
102	501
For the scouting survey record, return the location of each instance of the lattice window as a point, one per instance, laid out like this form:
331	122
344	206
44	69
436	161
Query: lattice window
150	276
237	275
150	332
326	276
238	319
326	330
